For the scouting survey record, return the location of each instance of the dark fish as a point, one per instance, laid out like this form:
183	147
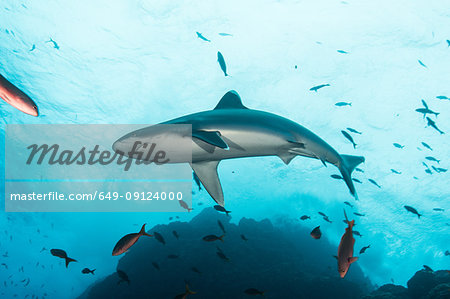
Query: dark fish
196	270
253	292
448	43
432	124
33	48
211	238
322	214
17	98
426	111
55	45
341	104
316	233
225	34
422	64
356	180
342	52
5	265
185	294
438	209
354	131
345	250
347	135
424	103
184	205
304	217
155	265
397	145
244	238
197	181
327	219
316	88
175	234
439	169
447	253
357	233
200	36
395	171
348	204
62	254
358	214
375	183
221	209
222	64
87	271
412	210
222	255
170	218
123	277
173	256
363	249
128	240
337	177
443	98
428	171
221	226
427	268
359	169
159	237
429	158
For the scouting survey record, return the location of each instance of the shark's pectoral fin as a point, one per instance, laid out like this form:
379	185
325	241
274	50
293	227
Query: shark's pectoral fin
207	173
211	137
352	259
287	157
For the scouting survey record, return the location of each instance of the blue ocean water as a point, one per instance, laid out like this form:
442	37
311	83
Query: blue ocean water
139	62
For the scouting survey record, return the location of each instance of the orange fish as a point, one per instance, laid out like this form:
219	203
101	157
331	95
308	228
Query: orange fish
17	98
127	241
345	250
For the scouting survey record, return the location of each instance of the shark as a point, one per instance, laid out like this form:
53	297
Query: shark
230	131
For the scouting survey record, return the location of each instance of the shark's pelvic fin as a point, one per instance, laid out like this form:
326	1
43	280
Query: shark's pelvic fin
207	173
231	100
287	157
211	137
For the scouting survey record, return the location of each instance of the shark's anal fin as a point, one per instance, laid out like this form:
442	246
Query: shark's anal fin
287	157
211	137
207	173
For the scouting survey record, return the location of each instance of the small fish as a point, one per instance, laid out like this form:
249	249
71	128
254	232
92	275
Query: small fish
345	250
316	88
87	271
447	253
127	241
222	64
359	170
342	104
316	233
427	268
55	45
412	210
244	238
443	98
438	209
432	124
173	256
337	177
33	48
425	164
212	238
426	111
62	254
347	135
359	214
348	204
159	237
123	277
395	171
424	103
184	205
194	269
364	249
304	217
221	226
448	43
354	131
5	265
186	293
429	158
253	292
327	219
155	264
357	233
427	146
197	181
342	52
322	214
375	183
222	255
221	209
428	171
422	64
397	145
225	34
175	234
200	36
439	169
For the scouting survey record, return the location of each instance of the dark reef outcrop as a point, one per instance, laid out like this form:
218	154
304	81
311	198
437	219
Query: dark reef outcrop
284	261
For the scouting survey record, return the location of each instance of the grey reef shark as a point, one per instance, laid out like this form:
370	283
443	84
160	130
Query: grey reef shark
230	131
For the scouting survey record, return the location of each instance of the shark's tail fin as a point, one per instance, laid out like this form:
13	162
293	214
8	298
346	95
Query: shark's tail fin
347	166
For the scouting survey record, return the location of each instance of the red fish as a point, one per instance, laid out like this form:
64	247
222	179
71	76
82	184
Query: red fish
345	250
316	233
17	98
127	241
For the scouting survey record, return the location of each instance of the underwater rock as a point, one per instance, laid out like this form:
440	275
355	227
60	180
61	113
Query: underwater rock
440	291
283	261
423	281
390	291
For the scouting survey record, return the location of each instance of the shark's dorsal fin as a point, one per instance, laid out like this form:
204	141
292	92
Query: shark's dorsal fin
207	173
231	100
